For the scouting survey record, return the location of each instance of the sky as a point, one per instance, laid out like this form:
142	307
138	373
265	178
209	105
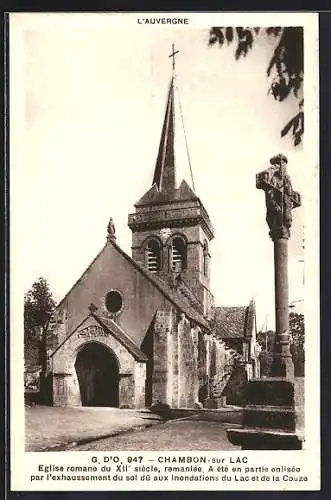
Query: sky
89	100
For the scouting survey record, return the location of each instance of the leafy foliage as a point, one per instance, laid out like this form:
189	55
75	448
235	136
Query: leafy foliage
297	330
285	67
38	305
266	339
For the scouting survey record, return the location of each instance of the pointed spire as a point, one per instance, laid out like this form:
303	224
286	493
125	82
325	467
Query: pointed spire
164	173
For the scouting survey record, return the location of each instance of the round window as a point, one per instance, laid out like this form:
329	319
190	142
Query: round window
114	301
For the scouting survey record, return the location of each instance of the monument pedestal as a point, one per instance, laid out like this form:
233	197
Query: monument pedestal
269	418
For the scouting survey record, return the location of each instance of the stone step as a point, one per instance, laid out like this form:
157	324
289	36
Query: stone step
264	439
270	392
272	417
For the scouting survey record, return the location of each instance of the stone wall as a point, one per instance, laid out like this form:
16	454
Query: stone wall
235	389
66	391
175	364
147	347
189	365
127	390
188	384
162	328
139	384
221	366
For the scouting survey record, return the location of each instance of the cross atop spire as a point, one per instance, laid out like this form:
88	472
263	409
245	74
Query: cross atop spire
174	52
164	173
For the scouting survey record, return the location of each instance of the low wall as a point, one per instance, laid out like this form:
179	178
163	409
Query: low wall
231	415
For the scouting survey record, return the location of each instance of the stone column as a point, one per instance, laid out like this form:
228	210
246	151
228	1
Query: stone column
280	200
269	419
282	365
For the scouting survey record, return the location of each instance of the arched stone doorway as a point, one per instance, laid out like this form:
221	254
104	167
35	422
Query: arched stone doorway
98	375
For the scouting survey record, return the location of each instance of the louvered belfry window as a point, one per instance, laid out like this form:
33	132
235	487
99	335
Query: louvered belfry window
153	256
178	255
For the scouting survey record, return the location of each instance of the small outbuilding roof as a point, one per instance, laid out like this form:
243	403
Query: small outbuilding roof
235	322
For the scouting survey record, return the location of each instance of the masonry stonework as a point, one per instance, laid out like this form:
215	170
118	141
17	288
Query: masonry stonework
162	328
131	373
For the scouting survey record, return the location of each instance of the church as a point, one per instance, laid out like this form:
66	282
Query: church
139	330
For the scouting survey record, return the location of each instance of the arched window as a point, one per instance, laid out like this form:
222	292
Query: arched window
178	255
205	259
153	256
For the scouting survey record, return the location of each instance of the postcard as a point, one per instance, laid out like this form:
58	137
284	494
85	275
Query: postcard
164	251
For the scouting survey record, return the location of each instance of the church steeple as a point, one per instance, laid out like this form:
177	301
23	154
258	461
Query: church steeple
171	228
164	173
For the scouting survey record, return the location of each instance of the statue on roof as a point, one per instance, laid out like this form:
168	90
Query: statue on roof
111	230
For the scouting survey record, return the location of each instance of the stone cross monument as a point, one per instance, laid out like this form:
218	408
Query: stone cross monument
280	200
269	414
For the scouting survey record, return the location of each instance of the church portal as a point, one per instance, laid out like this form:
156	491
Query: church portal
98	375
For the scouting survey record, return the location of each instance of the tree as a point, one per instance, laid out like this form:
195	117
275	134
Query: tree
297	329
266	340
38	307
285	67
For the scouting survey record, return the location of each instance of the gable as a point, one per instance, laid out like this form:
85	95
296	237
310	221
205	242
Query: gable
111	271
98	328
110	326
142	294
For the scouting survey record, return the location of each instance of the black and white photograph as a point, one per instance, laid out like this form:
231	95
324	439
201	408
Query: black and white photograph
164	242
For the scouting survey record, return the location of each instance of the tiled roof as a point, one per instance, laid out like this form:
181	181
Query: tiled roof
155	196
234	322
114	330
121	336
170	293
187	293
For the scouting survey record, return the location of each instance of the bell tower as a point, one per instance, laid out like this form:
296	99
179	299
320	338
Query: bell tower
171	229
